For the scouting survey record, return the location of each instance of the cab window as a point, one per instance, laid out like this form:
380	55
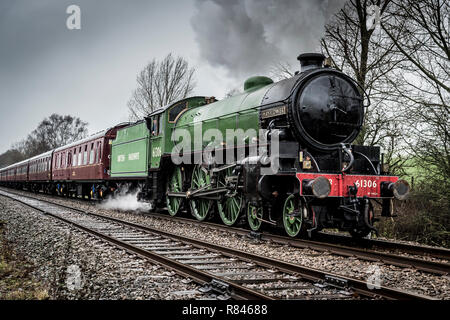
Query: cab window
155	125
176	111
160	125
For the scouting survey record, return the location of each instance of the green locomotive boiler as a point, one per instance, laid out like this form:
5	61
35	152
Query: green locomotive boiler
277	154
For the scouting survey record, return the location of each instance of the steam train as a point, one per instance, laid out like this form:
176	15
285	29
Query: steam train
289	161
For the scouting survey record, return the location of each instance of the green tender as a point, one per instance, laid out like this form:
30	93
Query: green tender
130	152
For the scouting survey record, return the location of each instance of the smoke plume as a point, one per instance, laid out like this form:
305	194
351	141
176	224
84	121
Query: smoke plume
248	37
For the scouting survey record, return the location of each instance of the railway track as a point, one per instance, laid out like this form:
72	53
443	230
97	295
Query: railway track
348	251
229	272
341	244
435	252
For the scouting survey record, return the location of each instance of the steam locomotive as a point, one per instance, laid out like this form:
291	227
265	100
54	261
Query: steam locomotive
276	154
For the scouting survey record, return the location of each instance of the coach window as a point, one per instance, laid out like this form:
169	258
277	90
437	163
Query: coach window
99	152
85	154
91	155
80	157
63	158
69	159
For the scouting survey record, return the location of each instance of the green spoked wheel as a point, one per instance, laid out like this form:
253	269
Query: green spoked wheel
253	213
200	180
230	206
292	224
174	184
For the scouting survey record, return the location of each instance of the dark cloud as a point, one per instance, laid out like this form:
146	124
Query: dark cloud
249	36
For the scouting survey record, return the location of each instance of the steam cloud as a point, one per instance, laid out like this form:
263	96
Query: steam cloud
248	37
125	201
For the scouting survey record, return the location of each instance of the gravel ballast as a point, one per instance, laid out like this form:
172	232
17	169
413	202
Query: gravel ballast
73	265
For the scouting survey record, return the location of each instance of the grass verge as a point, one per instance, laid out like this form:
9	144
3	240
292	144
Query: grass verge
16	282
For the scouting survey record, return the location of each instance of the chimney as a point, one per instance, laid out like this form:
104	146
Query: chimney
310	61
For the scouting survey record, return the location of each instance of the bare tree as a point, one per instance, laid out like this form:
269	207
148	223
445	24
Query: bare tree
281	71
53	132
159	84
419	32
366	53
9	157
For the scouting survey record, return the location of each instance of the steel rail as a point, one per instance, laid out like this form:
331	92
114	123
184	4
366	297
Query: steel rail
349	242
436	252
311	274
305	272
201	277
361	253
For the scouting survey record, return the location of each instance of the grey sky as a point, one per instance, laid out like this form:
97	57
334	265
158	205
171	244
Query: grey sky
90	73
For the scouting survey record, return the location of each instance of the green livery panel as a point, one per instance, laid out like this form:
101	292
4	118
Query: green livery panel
238	112
130	152
194	114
